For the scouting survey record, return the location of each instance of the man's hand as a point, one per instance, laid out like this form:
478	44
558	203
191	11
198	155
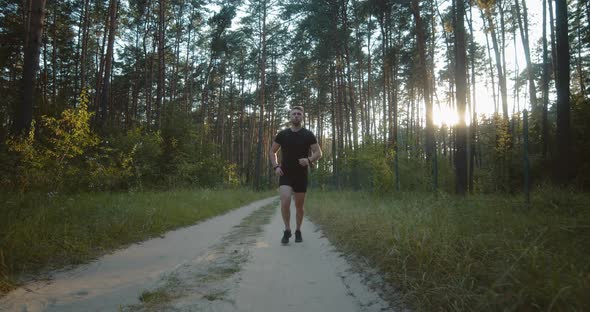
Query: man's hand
304	162
279	171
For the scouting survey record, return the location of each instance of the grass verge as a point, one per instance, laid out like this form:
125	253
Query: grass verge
482	253
41	231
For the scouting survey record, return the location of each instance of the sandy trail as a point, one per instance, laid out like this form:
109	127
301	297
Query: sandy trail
308	276
237	264
117	279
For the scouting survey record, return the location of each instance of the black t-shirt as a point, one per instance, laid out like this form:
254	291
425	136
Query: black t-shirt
294	145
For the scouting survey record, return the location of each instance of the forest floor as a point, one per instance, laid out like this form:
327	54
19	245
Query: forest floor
233	262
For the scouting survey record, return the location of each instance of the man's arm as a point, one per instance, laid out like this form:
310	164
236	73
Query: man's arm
316	153
273	158
273	154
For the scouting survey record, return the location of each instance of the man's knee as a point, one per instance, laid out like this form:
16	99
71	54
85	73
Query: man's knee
299	206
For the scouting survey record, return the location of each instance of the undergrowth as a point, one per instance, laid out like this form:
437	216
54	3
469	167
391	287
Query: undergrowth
485	252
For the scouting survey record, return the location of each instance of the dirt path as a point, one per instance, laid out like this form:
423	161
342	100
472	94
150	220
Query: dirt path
236	264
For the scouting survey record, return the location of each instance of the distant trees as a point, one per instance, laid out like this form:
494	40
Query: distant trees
373	75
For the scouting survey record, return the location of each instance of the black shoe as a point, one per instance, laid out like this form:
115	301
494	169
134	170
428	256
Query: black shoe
298	238
286	236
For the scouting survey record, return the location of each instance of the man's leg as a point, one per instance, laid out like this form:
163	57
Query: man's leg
286	191
299	201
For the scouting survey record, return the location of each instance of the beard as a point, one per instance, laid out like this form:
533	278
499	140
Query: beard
296	123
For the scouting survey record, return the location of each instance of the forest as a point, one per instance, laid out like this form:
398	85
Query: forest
447	98
125	94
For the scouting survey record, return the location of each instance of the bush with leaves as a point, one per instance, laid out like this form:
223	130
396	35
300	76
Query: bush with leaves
65	154
47	156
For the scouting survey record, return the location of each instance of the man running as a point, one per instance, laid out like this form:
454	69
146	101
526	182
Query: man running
295	144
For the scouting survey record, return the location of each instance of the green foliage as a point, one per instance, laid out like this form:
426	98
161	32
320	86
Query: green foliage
57	152
146	150
64	154
372	168
188	158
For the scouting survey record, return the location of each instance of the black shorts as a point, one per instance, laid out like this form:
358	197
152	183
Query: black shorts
297	181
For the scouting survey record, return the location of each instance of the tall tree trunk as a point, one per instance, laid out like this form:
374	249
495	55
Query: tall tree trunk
421	42
335	167
54	61
491	67
579	61
360	78
188	81
220	121
499	67
553	45
545	85
85	36
473	130
410	115
178	39
461	93
563	136
258	168
101	65
352	100
502	38
205	92
524	35
241	127
369	99
382	24
230	141
24	112
161	62
147	70
44	77
104	100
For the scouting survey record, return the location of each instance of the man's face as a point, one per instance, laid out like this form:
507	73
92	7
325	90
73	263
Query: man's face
296	117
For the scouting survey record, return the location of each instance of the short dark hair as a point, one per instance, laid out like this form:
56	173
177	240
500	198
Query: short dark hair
297	107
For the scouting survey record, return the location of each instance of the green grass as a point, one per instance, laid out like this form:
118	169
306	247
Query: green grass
155	297
482	253
44	231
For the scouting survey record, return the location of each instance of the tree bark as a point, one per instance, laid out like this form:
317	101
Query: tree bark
524	35
563	136
369	99
104	100
85	36
352	100
461	94
258	168
499	67
473	102
24	112
491	67
553	46
161	62
421	42
545	85
579	61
